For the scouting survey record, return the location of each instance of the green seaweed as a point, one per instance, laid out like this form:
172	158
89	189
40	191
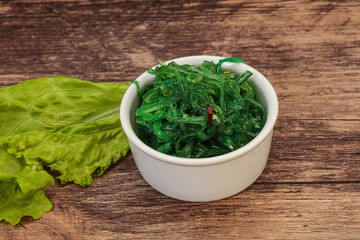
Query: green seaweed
198	111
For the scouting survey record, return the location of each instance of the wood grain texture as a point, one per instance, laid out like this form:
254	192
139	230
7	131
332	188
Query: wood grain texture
132	210
313	151
309	50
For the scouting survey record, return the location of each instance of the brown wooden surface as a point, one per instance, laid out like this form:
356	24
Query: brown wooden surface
309	50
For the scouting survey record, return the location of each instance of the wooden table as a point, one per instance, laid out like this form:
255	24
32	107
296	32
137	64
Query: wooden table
309	50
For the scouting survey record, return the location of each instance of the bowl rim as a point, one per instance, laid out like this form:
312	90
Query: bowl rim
133	138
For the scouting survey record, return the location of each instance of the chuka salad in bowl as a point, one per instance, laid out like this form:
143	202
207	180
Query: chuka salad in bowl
200	127
198	111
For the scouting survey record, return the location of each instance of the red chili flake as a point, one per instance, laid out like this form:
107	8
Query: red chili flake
210	113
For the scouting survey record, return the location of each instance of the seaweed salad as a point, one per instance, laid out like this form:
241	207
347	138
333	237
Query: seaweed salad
198	111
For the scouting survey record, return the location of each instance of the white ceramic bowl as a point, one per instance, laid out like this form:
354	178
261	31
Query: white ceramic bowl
202	179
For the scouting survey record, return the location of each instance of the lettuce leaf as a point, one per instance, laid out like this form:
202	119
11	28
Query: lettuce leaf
22	189
54	103
64	124
76	156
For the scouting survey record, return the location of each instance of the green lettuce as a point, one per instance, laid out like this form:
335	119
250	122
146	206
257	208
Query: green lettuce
64	124
22	189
